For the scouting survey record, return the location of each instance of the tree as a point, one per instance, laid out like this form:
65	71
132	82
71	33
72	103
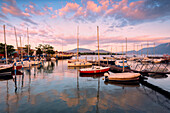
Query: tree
48	49
26	49
38	51
10	49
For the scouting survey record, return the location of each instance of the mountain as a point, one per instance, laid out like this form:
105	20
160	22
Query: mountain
160	49
101	51
83	50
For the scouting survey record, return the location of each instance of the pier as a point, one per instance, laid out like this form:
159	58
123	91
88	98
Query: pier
143	68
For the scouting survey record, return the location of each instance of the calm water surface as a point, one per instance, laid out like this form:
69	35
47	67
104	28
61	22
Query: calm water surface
57	88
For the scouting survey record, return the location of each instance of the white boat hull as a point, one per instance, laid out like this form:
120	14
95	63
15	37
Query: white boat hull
122	77
79	64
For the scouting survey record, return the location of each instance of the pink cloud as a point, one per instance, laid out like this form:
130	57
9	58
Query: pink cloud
13	10
56	11
32	10
105	4
79	12
131	11
53	16
46	8
93	7
50	8
68	8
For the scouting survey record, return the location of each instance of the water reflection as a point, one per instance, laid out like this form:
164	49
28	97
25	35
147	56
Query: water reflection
121	84
98	75
156	97
53	87
158	76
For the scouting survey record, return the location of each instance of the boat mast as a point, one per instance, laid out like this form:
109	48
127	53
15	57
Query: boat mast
16	38
133	49
122	58
154	48
62	48
141	49
5	45
137	50
147	48
116	50
122	50
98	43
28	42
21	48
77	42
126	46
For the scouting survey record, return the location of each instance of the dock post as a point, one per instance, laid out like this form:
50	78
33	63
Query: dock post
15	69
34	61
29	61
123	66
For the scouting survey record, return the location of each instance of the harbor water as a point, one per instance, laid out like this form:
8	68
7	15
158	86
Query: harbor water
56	88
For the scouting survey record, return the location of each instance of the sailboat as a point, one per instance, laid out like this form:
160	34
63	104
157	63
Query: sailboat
5	68
78	62
95	69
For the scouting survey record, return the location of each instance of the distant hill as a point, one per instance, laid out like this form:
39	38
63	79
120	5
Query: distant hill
83	50
101	51
160	49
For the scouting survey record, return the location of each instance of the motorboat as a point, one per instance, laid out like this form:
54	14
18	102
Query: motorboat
119	63
122	77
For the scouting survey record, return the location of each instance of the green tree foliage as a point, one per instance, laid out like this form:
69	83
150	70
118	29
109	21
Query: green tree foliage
10	49
46	48
38	51
26	49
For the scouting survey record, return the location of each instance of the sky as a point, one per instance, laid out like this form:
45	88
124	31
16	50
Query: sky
55	22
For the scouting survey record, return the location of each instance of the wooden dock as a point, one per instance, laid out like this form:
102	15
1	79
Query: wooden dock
114	68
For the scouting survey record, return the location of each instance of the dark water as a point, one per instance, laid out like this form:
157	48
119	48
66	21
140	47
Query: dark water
57	88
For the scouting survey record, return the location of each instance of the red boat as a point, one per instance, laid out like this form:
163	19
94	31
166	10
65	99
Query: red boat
18	66
95	69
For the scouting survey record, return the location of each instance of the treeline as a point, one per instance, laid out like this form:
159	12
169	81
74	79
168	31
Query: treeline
41	48
10	49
